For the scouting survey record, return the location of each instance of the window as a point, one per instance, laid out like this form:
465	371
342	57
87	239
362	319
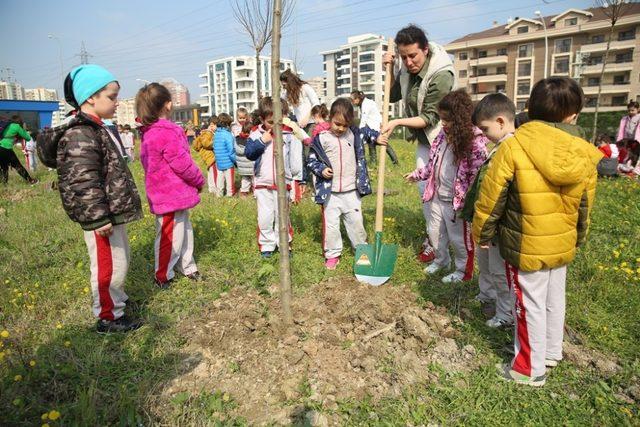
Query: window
367	67
591	102
593	81
563	45
501	51
627	35
595	60
570	21
239	63
482	72
501	70
523	29
463	56
369	57
500	88
324	67
597	39
525	50
620	79
462	74
524	87
482	54
524	68
619	100
521	105
624	57
561	66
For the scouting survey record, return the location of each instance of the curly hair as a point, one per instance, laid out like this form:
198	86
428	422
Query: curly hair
457	107
293	84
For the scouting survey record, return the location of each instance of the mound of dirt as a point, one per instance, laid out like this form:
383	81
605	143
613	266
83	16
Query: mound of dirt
349	340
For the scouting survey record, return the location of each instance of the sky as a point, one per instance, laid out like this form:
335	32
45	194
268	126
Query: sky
156	39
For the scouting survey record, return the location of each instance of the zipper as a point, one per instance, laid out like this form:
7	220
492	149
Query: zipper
341	164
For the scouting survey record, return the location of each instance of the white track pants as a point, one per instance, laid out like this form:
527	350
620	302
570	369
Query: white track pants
422	158
267	201
348	207
225	182
246	184
493	281
174	245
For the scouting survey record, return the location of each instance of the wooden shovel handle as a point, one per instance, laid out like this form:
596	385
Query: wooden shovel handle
382	152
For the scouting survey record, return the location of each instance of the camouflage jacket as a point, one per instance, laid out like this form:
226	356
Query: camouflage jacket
95	183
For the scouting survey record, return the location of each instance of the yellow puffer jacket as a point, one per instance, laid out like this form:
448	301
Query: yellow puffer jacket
537	195
203	144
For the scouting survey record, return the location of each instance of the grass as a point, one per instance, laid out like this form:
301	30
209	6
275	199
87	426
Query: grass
52	360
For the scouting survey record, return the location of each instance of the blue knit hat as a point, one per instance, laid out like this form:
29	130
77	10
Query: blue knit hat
89	79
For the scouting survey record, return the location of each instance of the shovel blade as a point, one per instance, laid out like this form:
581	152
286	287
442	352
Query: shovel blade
374	263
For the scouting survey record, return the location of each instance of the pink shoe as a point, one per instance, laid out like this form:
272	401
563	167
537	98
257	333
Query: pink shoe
427	255
332	263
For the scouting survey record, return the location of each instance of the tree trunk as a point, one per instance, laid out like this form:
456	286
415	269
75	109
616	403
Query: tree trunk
604	64
258	78
283	199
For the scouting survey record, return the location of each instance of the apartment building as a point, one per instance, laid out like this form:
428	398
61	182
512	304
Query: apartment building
231	83
126	112
11	90
317	84
180	96
356	65
511	58
40	94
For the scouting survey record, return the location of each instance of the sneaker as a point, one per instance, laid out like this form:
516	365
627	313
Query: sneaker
266	254
123	324
496	322
33	181
196	276
551	363
488	309
163	285
427	255
455	277
506	373
432	268
332	263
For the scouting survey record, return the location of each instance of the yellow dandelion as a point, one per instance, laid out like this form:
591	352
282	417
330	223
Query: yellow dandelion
600	267
4	334
45	425
44	416
6	282
37	285
67	343
17	378
622	245
1	355
54	415
32	363
616	268
58	325
624	264
85	290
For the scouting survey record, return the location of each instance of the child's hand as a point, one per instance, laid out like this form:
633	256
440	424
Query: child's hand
267	137
327	173
484	246
105	230
409	177
383	139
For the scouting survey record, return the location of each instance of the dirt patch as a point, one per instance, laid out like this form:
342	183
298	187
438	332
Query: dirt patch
349	341
18	195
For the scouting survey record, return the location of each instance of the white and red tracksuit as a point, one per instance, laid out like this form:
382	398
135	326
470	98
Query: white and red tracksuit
109	258
265	190
173	246
212	175
224	181
492	281
444	225
539	314
344	201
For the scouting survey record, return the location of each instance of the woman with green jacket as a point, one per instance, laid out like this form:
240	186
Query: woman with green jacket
8	156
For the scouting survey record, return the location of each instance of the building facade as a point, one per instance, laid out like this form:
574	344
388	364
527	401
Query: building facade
230	83
180	96
11	90
41	94
356	65
126	112
317	84
511	58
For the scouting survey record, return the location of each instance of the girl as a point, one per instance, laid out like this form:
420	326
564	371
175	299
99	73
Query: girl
172	181
320	115
10	134
337	160
223	147
128	142
456	155
630	124
245	166
300	96
203	144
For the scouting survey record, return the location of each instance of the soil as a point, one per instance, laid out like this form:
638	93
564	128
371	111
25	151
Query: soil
348	340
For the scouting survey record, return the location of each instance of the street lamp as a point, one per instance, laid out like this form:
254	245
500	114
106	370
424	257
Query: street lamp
546	43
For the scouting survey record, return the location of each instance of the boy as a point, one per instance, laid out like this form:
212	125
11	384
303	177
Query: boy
242	116
536	199
260	148
127	141
97	188
494	116
203	144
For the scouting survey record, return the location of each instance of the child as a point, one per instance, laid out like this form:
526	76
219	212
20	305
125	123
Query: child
172	181
242	117
225	153
96	188
260	148
494	116
203	144
629	128
290	129
10	133
454	160
339	153
370	121
320	115
30	151
128	142
245	166
536	199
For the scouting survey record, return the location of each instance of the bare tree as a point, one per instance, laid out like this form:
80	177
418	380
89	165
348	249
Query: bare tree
614	10
256	20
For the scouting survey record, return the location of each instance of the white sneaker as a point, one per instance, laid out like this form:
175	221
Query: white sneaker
550	363
454	277
432	268
496	322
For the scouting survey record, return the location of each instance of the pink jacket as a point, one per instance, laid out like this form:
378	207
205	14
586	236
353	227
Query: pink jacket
623	124
466	172
172	179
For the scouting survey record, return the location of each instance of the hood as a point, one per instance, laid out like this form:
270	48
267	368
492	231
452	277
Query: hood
159	124
559	155
48	139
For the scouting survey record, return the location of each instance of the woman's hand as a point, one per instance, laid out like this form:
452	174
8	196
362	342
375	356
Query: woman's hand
388	58
389	127
409	177
327	173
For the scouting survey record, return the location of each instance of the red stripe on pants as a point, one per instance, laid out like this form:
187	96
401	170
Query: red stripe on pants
215	174
522	360
166	246
469	246
105	271
324	230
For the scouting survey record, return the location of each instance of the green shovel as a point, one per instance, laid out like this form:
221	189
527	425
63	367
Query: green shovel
374	263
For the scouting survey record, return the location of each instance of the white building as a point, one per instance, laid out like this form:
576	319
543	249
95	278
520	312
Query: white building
11	90
59	116
41	94
231	83
180	96
356	65
126	112
317	84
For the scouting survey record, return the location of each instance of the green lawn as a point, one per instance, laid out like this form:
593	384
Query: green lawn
52	360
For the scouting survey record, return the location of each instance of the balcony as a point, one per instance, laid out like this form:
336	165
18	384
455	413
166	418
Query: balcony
612	67
488	78
488	60
608	88
244	79
244	89
244	67
602	47
203	75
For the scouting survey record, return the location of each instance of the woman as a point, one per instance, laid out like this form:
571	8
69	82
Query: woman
301	97
7	156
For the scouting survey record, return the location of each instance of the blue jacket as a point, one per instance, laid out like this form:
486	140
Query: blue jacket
318	161
223	147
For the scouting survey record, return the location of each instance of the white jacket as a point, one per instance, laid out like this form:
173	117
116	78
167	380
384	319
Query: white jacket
308	99
370	115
